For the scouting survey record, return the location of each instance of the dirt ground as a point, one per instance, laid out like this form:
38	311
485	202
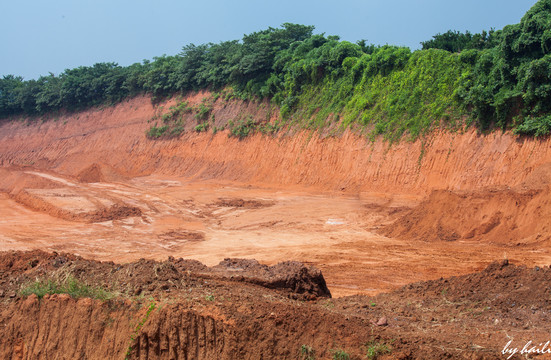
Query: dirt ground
242	310
208	222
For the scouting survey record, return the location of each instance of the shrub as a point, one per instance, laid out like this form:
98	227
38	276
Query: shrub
202	127
306	352
374	349
71	286
156	132
203	111
242	128
269	128
340	354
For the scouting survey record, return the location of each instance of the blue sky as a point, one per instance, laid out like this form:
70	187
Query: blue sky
38	36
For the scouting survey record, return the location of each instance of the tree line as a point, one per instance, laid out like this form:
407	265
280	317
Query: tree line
501	78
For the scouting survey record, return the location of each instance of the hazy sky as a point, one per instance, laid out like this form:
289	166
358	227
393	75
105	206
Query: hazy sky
39	36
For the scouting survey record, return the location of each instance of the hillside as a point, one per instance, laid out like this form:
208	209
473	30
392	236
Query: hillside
116	137
285	196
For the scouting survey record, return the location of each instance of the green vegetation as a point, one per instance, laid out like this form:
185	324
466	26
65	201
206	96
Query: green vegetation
156	132
455	41
340	354
176	112
202	127
498	79
306	352
390	92
152	306
70	286
509	85
203	111
375	349
175	119
242	128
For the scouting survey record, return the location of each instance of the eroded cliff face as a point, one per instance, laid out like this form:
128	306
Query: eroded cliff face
115	138
188	316
61	327
465	186
176	309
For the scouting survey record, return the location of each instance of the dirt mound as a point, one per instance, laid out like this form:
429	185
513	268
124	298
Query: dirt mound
148	276
241	203
292	275
96	173
183	235
501	285
91	174
114	212
18	262
504	216
61	197
13	181
472	316
88	210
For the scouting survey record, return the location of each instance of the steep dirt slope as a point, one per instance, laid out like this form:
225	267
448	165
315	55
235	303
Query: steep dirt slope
115	138
92	183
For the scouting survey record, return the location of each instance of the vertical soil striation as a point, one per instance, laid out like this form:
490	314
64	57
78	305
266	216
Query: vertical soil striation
160	310
87	144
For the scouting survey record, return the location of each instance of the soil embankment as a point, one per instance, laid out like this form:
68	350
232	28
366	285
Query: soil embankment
182	309
503	216
115	138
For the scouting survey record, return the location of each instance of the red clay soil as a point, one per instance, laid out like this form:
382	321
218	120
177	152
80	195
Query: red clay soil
113	212
372	217
115	138
504	216
173	309
464	169
99	173
27	188
91	174
144	277
471	173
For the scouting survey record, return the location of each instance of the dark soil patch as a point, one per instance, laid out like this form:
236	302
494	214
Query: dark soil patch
241	203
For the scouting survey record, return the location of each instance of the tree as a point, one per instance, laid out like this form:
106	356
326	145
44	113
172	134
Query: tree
8	94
